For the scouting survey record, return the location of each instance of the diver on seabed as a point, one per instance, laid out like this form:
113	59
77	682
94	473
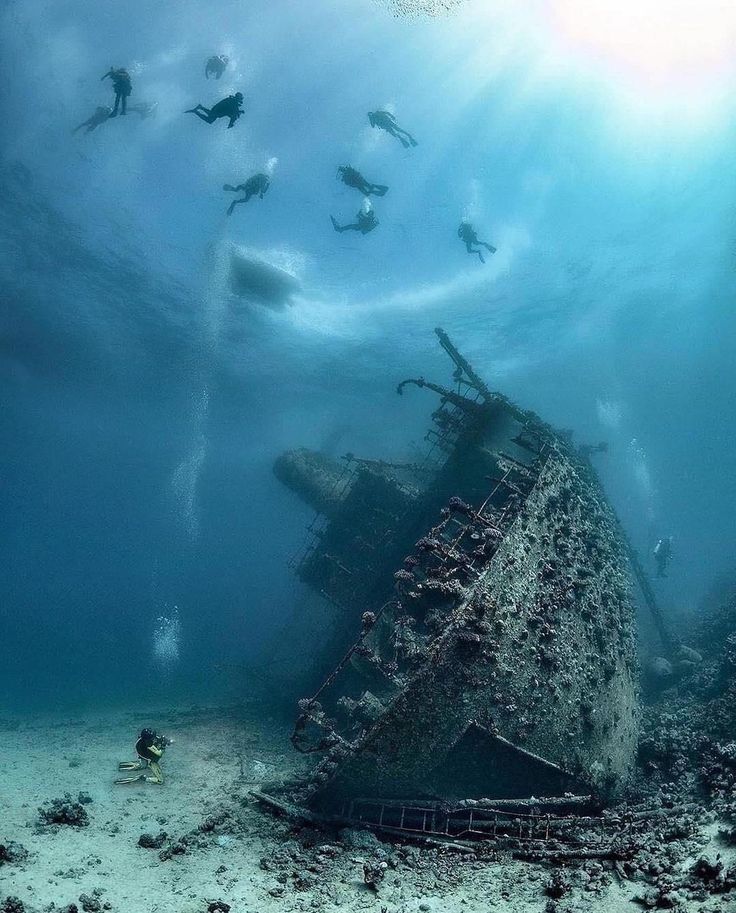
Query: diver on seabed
468	235
150	748
216	66
257	184
122	86
663	555
230	107
365	221
101	114
385	120
353	178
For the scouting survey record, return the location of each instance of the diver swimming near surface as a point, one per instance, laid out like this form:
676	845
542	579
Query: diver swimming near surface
365	221
150	748
384	120
104	112
122	86
229	107
257	184
216	66
467	234
101	114
353	178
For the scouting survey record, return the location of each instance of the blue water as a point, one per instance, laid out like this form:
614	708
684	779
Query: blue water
143	403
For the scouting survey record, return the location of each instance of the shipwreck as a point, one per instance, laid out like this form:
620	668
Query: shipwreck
485	655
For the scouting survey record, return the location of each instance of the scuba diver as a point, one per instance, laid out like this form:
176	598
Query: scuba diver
384	120
257	184
121	85
587	450
144	108
365	221
226	107
102	113
216	65
663	555
467	234
353	178
149	748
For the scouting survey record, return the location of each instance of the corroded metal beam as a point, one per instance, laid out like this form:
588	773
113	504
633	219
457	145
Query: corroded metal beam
471	378
462	402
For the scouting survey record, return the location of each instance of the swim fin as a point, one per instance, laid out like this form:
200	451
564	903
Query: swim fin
129	765
131	779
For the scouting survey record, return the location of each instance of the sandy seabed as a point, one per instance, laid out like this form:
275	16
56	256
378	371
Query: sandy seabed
232	851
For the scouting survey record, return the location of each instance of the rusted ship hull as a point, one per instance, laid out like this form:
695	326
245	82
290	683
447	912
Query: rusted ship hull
503	662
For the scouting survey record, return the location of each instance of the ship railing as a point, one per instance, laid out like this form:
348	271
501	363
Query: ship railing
319	522
451	421
436	819
497	516
441	444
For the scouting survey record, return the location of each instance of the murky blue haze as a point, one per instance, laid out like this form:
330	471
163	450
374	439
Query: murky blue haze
143	403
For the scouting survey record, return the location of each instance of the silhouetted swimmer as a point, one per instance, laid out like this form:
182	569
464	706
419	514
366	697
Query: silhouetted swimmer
258	184
227	107
365	221
216	66
122	86
384	120
663	552
102	113
355	179
144	108
587	450
467	234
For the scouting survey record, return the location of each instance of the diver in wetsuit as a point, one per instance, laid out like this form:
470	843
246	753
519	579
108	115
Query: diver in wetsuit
353	178
384	120
365	221
227	107
122	86
102	113
467	234
216	65
149	748
587	450
663	555
257	184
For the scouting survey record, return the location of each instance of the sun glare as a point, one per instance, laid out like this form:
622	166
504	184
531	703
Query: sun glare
659	46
